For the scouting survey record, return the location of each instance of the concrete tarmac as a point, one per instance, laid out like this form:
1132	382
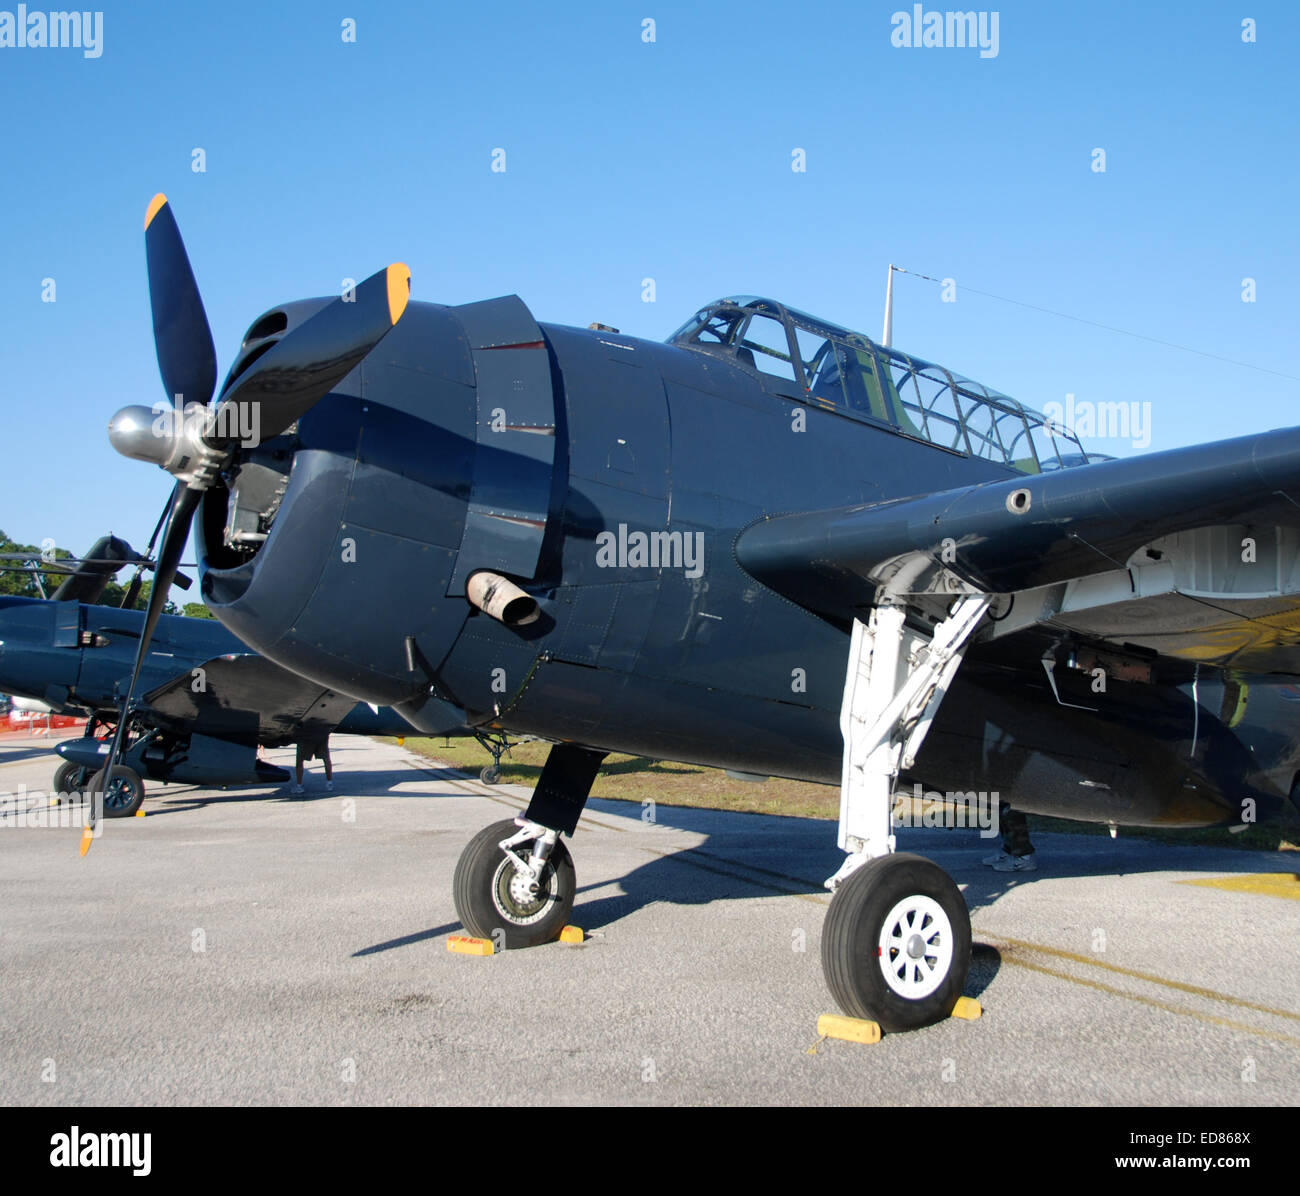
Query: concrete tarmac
248	947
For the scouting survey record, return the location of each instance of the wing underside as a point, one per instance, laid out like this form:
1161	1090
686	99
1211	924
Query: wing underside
243	696
1192	553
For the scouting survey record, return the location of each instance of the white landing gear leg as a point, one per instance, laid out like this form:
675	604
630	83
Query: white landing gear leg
896	942
895	682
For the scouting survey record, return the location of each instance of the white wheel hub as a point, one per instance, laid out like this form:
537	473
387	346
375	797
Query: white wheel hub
915	947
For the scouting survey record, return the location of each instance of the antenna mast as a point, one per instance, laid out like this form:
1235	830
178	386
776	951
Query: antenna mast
887	335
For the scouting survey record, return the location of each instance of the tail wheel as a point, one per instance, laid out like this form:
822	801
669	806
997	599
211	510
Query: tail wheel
494	900
896	943
123	791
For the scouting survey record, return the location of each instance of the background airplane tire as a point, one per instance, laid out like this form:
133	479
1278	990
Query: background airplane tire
490	775
851	940
481	890
124	794
69	778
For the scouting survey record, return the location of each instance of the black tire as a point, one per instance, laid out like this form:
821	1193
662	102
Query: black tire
69	779
855	956
124	793
490	775
485	904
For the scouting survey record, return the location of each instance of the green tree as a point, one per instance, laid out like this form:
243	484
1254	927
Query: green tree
15	581
115	593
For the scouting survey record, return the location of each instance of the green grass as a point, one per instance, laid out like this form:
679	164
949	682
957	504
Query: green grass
633	779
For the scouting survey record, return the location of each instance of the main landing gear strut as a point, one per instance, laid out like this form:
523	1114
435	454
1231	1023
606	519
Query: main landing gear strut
515	881
896	942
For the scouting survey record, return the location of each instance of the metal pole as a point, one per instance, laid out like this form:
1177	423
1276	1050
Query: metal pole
887	335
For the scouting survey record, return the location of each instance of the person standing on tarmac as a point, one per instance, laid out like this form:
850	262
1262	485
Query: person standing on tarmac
1017	854
314	745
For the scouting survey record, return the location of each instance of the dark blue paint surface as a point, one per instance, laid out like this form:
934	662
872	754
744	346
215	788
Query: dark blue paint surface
722	665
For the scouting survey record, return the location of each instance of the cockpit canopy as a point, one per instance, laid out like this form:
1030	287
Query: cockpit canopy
841	370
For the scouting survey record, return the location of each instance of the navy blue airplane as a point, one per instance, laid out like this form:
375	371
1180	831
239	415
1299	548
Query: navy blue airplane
208	702
769	545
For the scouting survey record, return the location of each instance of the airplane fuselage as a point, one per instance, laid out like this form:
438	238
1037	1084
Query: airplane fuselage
611	477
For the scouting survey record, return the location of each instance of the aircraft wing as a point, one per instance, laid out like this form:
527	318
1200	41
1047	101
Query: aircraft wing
1193	552
240	695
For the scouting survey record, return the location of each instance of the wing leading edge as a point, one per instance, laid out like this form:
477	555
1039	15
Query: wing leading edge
1193	552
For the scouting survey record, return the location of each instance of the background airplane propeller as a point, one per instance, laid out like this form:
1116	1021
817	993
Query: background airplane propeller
264	398
133	587
86	577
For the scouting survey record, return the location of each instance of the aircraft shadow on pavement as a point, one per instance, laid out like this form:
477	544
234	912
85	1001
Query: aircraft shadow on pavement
409	940
177	798
760	855
803	852
754	855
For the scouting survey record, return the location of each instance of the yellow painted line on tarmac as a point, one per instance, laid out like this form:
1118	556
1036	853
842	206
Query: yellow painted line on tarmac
1267	884
1194	990
1167	1007
1150	978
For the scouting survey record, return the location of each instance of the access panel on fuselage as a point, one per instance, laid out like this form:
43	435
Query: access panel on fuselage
617	434
515	441
612	452
415	453
733	459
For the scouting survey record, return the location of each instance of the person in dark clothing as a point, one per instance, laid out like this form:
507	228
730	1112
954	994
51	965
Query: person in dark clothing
1017	854
314	745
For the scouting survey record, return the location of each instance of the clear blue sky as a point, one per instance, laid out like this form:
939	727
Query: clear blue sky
672	161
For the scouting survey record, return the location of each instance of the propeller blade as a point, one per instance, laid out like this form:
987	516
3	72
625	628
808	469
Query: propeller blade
180	515
184	503
187	359
133	591
305	365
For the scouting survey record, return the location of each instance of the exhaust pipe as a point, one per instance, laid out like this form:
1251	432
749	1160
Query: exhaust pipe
501	598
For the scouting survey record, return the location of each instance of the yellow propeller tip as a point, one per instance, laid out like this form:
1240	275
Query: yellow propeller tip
87	838
399	290
156	205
